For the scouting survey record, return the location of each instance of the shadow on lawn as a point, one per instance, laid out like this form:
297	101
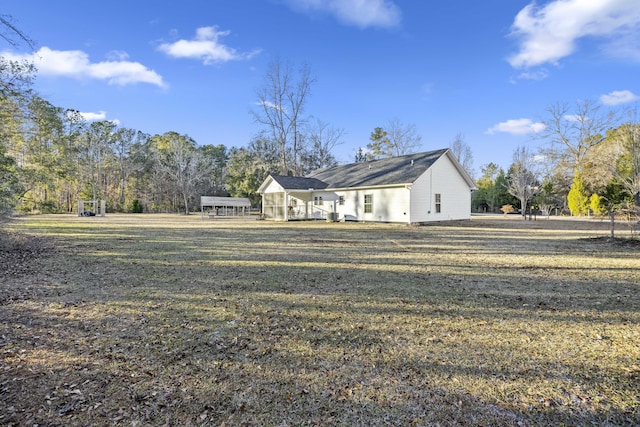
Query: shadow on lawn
277	360
256	325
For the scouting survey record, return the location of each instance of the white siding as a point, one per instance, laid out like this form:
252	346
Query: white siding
442	178
273	187
389	205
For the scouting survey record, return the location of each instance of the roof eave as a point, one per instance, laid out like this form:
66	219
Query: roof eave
368	187
265	184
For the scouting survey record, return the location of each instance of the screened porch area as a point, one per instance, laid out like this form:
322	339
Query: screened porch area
294	206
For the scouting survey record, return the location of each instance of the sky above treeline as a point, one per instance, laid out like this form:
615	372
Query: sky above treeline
486	70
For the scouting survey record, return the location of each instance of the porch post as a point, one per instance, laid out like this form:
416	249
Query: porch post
286	206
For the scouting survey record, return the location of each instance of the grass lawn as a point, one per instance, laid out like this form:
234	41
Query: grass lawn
139	320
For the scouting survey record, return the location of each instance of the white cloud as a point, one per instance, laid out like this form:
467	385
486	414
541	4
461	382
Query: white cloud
517	127
93	117
534	75
575	118
361	13
76	64
206	46
96	117
550	32
117	55
619	97
269	104
625	46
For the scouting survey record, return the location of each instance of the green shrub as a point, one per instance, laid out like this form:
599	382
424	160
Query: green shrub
136	206
48	207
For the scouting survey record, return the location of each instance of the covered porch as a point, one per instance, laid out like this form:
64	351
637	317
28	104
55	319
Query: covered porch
297	205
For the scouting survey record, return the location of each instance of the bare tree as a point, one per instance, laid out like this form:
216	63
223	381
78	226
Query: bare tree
397	139
11	34
403	138
630	175
16	77
126	141
522	179
95	149
599	167
576	132
180	163
322	140
463	153
282	101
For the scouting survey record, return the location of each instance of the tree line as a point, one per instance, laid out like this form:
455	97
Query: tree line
590	165
51	157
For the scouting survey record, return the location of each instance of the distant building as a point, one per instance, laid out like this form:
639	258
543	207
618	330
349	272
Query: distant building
224	206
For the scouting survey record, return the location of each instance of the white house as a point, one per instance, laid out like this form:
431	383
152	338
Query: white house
416	188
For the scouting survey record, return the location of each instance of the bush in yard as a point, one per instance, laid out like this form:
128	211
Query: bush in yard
507	209
136	206
595	204
577	199
48	207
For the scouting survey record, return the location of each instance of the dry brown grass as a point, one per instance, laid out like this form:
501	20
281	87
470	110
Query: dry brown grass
169	320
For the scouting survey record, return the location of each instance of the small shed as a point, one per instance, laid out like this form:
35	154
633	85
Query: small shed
224	206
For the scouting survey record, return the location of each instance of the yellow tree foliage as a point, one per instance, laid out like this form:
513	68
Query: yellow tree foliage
595	204
577	199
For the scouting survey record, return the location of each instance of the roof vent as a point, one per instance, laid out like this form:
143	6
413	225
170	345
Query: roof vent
411	162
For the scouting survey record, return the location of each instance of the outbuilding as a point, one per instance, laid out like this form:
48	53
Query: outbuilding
415	188
224	206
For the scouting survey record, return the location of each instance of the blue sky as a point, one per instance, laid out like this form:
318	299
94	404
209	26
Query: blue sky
485	69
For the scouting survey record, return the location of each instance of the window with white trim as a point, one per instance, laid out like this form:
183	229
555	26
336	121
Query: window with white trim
368	203
438	203
317	200
341	200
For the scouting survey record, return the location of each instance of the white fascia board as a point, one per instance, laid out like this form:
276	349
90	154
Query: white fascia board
369	187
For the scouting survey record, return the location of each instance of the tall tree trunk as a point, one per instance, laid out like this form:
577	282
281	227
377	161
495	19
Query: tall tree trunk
612	217
122	186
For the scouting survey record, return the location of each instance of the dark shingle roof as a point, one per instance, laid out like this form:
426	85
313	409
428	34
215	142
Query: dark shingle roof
299	182
390	171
